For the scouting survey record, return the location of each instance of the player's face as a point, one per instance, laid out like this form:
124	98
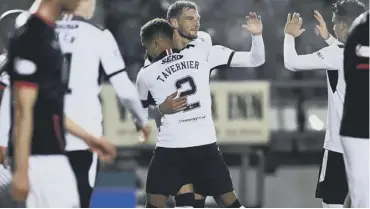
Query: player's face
69	5
340	29
188	23
151	48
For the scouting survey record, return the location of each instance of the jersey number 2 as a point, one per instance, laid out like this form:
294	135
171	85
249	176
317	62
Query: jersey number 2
193	89
67	70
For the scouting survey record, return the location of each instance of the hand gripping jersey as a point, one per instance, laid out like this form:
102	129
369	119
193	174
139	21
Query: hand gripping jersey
186	71
330	59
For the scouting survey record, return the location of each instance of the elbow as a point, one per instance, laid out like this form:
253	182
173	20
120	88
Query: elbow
289	65
259	60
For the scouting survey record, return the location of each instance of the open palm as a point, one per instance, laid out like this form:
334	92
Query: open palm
254	24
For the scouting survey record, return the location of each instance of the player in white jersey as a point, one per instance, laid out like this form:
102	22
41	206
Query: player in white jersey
87	47
188	137
332	185
184	18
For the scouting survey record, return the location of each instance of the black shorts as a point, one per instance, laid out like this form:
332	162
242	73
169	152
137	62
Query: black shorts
332	185
202	166
85	165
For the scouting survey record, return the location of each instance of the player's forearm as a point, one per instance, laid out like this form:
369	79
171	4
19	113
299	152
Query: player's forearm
5	118
154	113
254	58
129	97
77	130
22	137
295	62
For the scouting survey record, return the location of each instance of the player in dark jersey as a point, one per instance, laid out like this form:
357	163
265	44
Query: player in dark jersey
355	120
42	174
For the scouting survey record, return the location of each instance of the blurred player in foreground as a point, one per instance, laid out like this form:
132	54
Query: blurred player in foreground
187	134
42	174
332	185
355	122
86	47
8	22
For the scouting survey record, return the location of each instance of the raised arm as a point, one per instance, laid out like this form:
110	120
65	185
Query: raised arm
292	61
223	56
114	66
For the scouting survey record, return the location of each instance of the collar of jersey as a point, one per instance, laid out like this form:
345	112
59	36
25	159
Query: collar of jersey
169	52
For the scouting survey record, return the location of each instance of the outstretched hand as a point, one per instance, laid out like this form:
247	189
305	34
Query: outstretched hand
254	24
321	28
293	25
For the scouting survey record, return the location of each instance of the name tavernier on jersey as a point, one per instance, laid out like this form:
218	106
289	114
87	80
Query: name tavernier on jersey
187	72
183	65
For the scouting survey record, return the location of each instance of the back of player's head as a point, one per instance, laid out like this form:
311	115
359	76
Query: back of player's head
347	10
156	28
10	20
176	9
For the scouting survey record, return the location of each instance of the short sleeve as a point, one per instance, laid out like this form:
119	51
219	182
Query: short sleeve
111	57
23	63
143	90
220	56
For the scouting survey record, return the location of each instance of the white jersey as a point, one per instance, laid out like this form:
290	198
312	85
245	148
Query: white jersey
329	58
86	48
186	71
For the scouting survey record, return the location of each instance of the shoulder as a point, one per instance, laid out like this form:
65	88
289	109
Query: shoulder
205	37
363	19
141	76
330	51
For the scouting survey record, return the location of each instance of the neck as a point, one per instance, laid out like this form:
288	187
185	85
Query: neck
82	11
79	12
48	11
164	48
179	41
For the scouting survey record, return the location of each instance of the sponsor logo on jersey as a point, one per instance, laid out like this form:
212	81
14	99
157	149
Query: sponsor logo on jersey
319	54
172	58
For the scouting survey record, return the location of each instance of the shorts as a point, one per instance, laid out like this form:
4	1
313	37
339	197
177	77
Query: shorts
85	167
52	183
356	159
332	185
202	166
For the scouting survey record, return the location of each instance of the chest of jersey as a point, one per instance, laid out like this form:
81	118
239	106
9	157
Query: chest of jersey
186	72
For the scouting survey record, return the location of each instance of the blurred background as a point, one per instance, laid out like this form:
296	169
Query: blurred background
270	121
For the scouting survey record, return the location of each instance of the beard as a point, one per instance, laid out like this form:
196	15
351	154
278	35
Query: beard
187	35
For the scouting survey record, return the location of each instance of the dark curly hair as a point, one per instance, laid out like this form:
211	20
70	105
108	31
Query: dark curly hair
348	10
155	28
